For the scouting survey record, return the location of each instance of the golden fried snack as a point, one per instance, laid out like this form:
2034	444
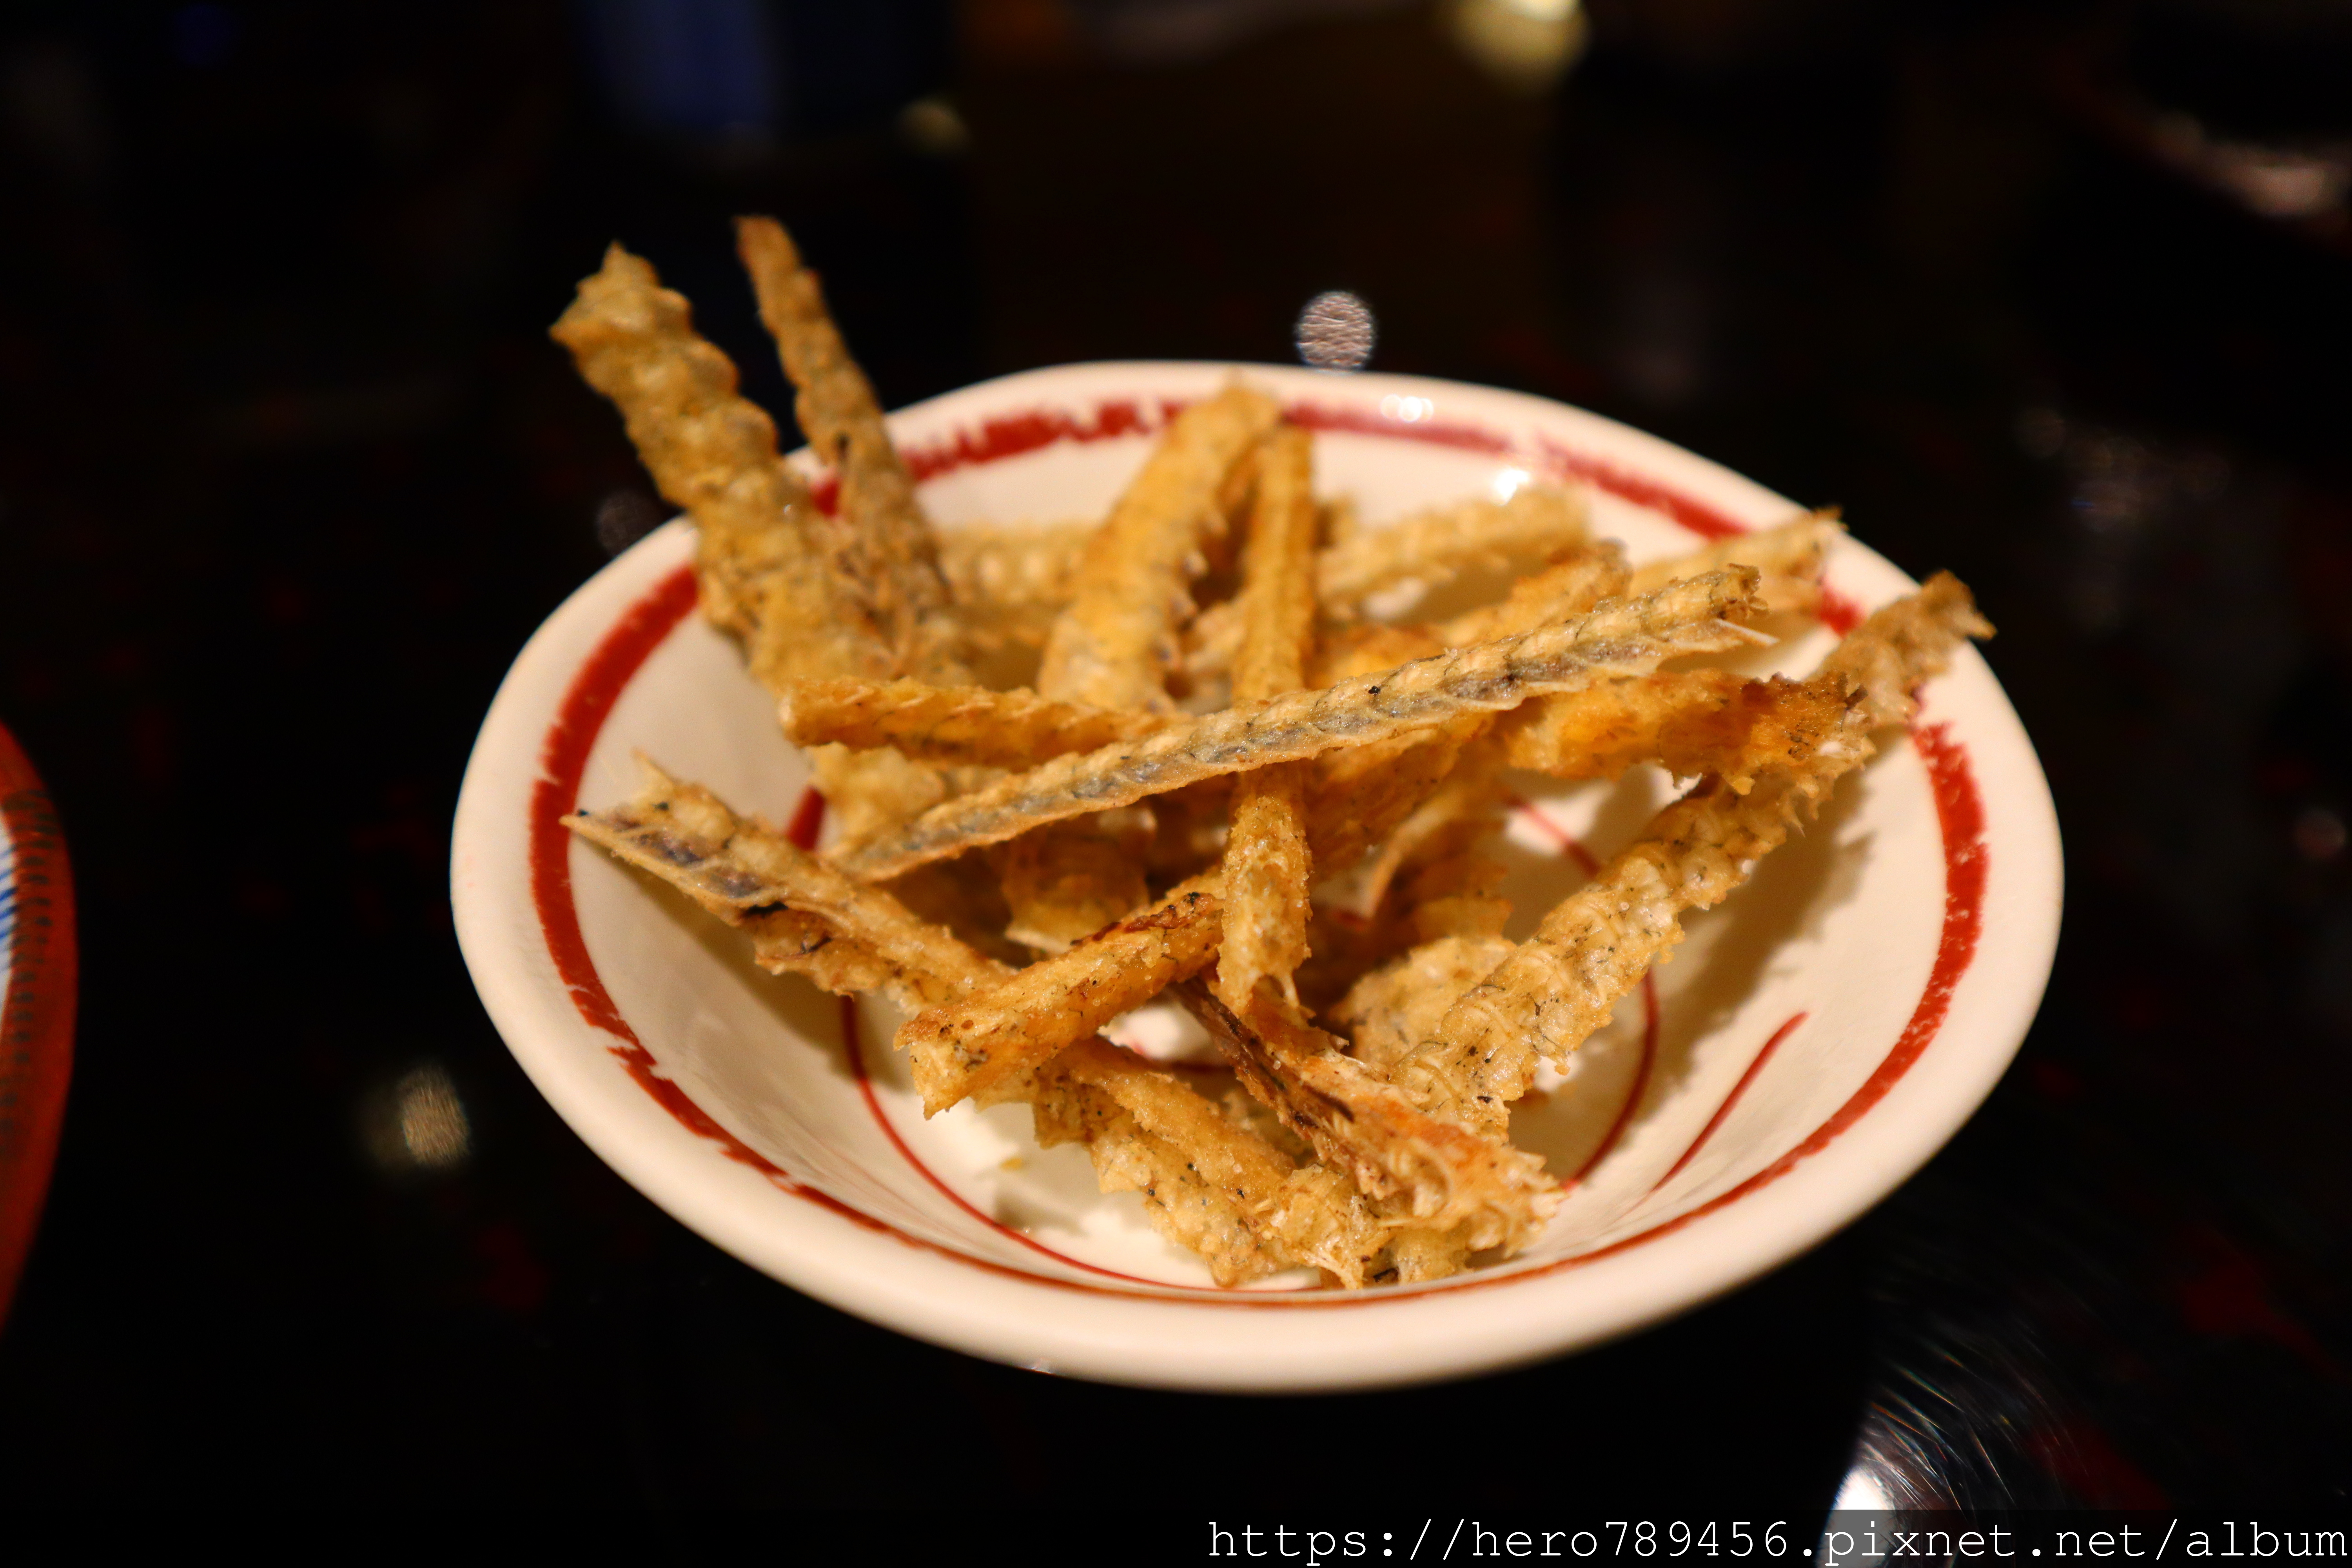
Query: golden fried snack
1209	1182
1394	1007
1034	1012
1268	873
770	566
951	724
763	573
1571	586
887	531
1412	1164
1183	1203
1553	991
1026	1019
1430	547
1685	617
1113	647
1691	723
1009	581
1790	554
1067	880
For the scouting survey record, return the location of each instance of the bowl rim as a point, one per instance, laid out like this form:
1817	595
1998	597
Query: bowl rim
584	1057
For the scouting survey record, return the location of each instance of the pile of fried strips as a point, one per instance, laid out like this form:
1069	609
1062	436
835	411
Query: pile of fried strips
1015	868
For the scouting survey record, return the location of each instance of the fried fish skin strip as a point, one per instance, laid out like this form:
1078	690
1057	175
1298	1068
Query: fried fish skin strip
1552	992
1469	803
1026	1018
1305	1213
741	871
1009	582
1268	872
891	537
1692	722
1394	1007
770	568
951	724
714	453
1181	1202
1432	547
1616	640
1008	1028
1790	555
1113	647
1569	586
794	903
1415	1165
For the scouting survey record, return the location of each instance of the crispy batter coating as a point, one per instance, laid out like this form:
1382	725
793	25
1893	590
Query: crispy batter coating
1009	581
1114	646
1182	1203
1790	555
951	724
1069	879
770	568
1268	872
1570	585
1886	658
740	869
887	532
1552	992
1033	1013
1113	649
763	573
1268	875
1432	547
1390	1010
1694	722
1617	639
1056	1001
1412	1164
1209	1182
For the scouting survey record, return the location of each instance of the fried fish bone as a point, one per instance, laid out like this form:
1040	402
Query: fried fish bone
1268	872
1209	1184
770	567
1621	638
1551	993
883	530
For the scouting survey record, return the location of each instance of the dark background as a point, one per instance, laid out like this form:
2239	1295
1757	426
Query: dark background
2059	296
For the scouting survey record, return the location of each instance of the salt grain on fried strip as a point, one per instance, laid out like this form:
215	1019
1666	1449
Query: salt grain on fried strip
1617	639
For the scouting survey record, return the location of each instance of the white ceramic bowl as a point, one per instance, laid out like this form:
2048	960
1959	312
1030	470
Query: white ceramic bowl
1814	1041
